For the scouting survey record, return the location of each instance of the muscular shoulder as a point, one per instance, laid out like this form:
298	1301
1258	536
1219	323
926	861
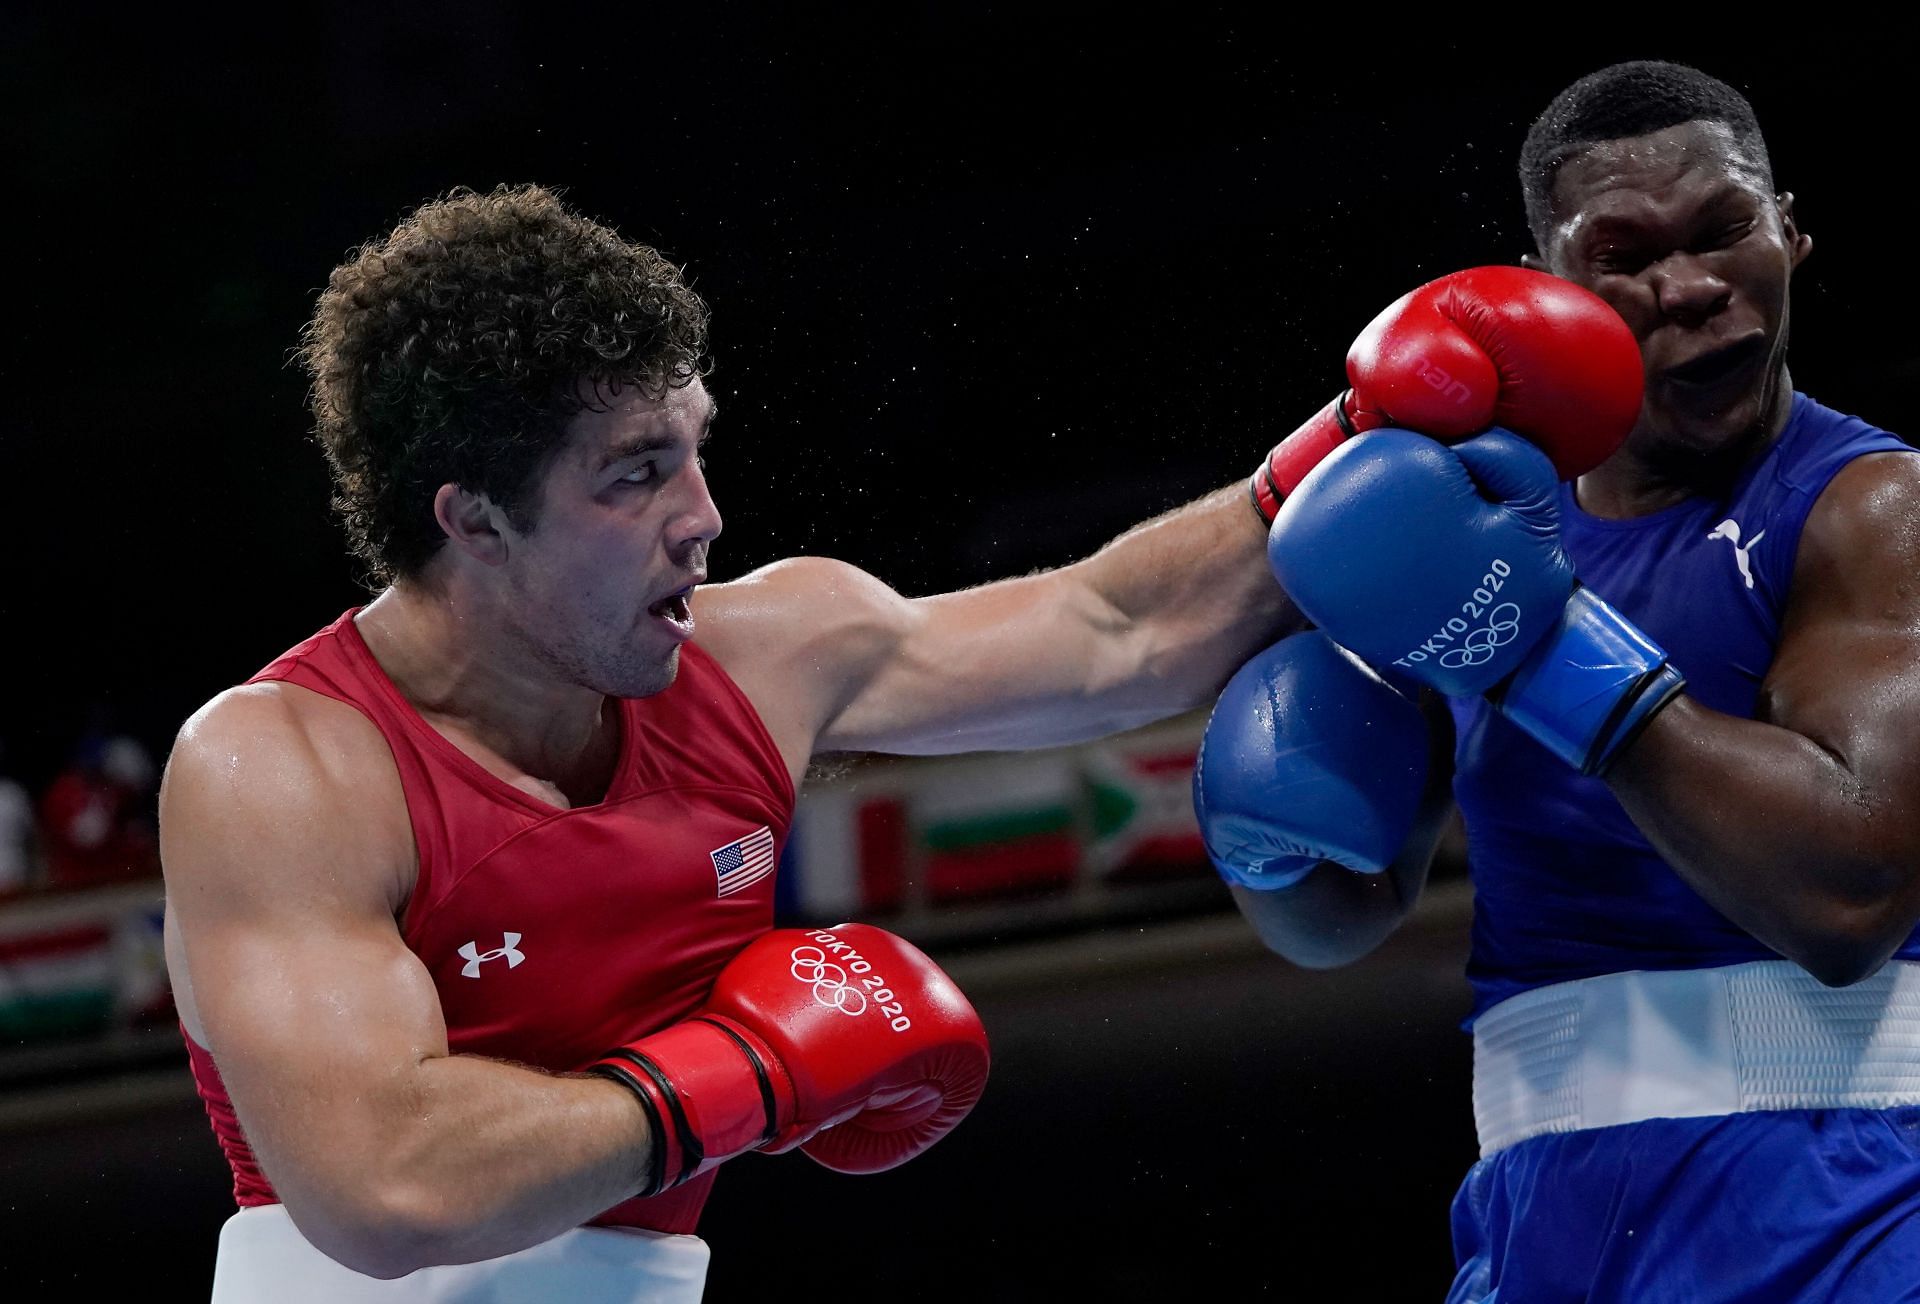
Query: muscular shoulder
799	600
1862	538
274	715
266	777
279	739
812	624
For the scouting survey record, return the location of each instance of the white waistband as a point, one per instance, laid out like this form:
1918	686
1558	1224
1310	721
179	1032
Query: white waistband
1685	1043
265	1260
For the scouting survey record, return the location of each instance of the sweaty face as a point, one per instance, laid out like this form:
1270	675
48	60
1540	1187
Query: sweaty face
601	584
1679	231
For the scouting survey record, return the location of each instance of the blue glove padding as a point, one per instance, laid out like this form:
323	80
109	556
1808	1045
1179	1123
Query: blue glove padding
1591	686
1391	546
1309	756
1445	562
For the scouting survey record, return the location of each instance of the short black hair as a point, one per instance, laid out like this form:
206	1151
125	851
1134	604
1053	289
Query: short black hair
1626	99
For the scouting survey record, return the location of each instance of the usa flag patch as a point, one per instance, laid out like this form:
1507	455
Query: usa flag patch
743	863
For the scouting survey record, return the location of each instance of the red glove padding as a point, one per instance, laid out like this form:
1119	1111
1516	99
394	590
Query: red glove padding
850	1029
1488	346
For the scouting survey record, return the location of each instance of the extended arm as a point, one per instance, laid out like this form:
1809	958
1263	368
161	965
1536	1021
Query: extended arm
1155	622
1150	625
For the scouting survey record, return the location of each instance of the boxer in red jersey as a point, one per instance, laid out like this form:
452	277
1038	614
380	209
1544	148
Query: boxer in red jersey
469	895
510	822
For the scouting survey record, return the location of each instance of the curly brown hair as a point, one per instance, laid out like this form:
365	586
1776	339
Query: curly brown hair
456	350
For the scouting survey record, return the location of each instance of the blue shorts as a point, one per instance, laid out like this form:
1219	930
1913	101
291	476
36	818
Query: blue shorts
1812	1207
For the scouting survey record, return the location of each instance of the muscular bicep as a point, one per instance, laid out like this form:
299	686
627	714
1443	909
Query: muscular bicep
838	661
1150	625
1846	674
1008	665
286	851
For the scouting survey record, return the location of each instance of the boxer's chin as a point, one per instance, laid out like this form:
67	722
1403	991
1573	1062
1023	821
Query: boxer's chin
638	677
1689	427
644	679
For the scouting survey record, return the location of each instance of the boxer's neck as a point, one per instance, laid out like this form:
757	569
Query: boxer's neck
1650	474
482	691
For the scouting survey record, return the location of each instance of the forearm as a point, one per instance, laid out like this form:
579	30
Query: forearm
477	1158
1777	833
1191	596
1151	625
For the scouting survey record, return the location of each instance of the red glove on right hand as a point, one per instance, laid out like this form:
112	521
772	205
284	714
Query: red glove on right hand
850	1029
1488	346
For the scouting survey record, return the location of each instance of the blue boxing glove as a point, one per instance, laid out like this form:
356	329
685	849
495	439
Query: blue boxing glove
1445	563
1309	756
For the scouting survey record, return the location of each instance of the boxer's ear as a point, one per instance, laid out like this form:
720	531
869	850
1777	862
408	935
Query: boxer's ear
1799	243
472	523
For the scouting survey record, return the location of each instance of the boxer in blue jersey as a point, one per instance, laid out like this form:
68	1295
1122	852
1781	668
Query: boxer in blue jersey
1683	699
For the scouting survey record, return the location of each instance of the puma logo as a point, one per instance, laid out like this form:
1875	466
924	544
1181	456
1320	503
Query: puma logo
1729	530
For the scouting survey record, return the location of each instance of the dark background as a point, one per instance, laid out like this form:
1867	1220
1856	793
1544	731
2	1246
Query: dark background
987	288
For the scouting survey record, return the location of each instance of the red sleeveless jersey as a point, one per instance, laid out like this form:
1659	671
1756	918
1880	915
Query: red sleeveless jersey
555	935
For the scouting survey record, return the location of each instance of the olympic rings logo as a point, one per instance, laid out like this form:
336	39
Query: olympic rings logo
1503	623
829	981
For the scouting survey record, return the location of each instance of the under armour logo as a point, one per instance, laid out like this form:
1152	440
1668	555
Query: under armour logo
1729	530
509	947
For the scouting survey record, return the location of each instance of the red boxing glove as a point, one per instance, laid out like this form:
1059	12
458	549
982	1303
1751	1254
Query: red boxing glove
1488	346
849	1028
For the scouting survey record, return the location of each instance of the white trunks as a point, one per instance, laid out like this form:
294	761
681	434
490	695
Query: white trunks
265	1260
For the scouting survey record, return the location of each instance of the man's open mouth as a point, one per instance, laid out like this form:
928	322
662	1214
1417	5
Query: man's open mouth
676	608
1719	365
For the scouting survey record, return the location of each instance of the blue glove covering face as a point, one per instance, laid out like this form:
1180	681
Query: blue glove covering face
1445	563
1309	756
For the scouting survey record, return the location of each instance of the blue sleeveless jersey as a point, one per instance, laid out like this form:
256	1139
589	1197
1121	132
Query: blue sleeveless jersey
1565	886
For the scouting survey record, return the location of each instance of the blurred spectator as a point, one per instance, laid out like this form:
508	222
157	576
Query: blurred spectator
97	815
19	847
